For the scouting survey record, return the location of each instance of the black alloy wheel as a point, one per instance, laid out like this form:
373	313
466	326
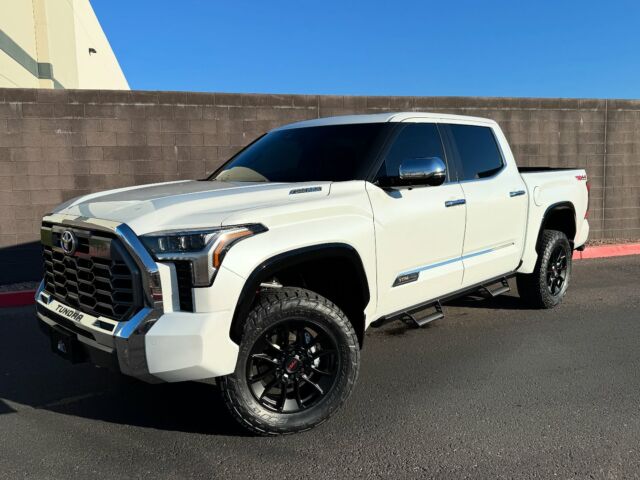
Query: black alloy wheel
298	362
547	285
293	366
557	270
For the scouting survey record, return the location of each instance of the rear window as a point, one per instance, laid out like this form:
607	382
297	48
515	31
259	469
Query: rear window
477	150
323	153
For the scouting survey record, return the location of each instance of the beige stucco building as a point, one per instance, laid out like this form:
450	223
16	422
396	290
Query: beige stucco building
55	44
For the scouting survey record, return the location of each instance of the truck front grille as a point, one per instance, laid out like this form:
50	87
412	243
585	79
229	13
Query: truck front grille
100	278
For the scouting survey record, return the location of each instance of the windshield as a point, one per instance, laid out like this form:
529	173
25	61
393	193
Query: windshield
324	153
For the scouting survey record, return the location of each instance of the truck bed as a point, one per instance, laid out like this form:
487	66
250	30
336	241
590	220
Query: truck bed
545	169
553	186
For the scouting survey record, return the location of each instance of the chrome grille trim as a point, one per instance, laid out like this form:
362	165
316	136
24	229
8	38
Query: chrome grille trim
100	278
128	336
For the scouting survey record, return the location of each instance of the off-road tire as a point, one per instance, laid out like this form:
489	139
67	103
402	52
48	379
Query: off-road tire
533	288
275	306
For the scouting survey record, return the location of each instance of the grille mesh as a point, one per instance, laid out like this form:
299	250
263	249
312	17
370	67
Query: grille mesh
100	278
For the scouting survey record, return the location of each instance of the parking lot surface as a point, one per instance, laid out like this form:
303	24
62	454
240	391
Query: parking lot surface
494	390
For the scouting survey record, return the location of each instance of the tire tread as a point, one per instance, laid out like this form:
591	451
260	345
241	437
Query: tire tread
272	301
532	287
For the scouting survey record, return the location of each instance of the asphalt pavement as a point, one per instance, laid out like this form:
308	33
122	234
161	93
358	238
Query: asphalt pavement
494	390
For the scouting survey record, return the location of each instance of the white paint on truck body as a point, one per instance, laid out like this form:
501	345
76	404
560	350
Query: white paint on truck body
493	233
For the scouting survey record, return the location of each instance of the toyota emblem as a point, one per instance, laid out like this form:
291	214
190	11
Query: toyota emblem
68	242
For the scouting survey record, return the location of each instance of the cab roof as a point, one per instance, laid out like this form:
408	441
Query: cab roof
388	117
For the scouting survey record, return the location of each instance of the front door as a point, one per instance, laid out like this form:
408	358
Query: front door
420	230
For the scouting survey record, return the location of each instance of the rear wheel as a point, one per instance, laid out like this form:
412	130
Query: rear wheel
547	285
298	362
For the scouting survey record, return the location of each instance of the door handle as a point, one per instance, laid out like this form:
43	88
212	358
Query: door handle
453	203
517	193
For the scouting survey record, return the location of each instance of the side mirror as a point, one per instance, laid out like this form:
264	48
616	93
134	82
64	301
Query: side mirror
423	171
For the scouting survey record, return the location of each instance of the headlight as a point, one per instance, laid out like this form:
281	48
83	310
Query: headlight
178	242
204	249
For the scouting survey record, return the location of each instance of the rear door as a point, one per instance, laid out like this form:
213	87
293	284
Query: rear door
419	230
496	199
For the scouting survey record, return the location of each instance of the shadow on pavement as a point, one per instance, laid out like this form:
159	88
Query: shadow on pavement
186	407
33	376
4	408
501	302
476	300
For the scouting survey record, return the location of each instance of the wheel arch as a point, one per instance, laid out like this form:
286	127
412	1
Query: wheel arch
559	216
351	273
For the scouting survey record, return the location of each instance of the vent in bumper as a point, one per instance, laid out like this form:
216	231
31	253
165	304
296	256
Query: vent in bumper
185	285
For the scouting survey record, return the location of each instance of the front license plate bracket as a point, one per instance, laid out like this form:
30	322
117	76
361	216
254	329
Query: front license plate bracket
67	345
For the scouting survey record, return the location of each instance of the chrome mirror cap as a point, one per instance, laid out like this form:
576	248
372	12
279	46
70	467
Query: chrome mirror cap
423	171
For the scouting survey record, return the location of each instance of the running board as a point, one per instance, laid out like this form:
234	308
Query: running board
408	313
504	288
422	321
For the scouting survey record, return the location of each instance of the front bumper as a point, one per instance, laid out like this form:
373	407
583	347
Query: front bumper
180	346
157	343
125	346
87	348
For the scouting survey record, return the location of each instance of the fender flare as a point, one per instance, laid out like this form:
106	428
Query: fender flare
289	259
565	205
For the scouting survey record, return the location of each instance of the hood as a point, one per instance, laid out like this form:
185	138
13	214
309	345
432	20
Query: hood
186	204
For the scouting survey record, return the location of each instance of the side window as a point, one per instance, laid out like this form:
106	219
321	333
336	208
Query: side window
477	150
415	140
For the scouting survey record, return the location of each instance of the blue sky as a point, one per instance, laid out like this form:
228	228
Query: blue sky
404	47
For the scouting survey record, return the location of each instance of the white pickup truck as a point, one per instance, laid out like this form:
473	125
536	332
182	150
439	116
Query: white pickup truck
266	275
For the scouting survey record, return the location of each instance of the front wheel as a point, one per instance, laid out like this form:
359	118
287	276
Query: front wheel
547	285
297	364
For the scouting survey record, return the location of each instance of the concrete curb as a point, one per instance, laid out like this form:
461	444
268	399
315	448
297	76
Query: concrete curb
605	251
22	298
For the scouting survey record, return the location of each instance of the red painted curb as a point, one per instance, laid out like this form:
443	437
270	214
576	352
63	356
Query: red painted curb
605	251
17	299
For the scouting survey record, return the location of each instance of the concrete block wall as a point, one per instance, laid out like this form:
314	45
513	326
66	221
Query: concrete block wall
58	144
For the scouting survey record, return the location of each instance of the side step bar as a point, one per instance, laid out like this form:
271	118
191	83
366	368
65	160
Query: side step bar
504	288
422	321
411	317
409	314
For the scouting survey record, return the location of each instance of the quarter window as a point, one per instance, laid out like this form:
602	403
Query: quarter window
477	150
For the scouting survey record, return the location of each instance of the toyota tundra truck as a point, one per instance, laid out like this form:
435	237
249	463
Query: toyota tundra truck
266	275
